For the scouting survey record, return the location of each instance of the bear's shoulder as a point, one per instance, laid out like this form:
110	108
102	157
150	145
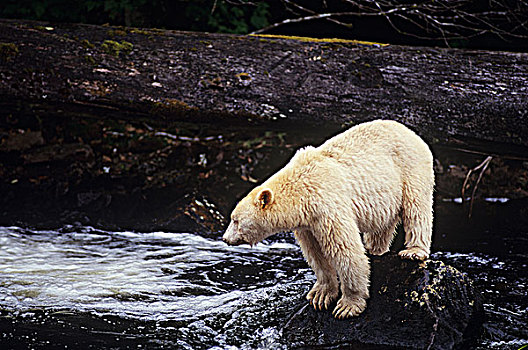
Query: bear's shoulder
304	155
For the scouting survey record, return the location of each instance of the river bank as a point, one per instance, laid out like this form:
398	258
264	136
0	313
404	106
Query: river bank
186	178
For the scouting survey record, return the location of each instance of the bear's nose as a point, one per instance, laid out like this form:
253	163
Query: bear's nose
231	242
226	241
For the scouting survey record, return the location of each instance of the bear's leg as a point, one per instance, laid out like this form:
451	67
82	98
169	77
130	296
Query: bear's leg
325	289
379	243
346	250
417	215
353	271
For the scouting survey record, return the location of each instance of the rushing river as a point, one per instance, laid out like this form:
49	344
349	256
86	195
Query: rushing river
85	287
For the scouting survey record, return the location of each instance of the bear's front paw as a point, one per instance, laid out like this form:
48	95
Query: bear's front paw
322	295
414	253
349	306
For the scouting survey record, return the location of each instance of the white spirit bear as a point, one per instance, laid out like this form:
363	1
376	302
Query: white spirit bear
363	181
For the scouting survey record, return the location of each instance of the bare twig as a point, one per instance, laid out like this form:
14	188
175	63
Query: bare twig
311	12
314	17
293	20
432	19
482	167
214	7
495	155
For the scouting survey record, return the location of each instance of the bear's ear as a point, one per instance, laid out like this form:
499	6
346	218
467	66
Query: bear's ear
264	198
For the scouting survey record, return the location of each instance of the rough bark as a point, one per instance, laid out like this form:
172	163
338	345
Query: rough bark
168	76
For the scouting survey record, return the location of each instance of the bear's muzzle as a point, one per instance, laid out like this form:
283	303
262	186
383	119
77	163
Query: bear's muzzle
231	236
234	242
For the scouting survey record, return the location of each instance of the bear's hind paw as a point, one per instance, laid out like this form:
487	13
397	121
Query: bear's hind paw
414	253
347	307
377	251
322	295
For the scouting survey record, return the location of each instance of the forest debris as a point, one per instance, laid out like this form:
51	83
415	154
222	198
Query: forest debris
70	152
21	140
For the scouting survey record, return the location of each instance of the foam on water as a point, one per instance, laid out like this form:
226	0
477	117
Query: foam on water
157	275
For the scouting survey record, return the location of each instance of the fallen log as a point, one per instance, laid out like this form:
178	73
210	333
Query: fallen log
86	71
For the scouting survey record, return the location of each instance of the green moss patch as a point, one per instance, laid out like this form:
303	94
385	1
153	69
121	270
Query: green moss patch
114	48
8	51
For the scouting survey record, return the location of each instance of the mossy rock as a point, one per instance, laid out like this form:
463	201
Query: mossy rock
413	305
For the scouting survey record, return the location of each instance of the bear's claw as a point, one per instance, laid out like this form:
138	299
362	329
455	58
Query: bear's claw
322	295
347	307
414	253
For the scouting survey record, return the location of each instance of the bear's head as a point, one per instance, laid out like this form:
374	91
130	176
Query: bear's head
253	219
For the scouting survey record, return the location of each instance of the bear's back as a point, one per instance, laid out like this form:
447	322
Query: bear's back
359	173
379	139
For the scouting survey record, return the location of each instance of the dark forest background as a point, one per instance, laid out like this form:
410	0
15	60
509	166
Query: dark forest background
480	24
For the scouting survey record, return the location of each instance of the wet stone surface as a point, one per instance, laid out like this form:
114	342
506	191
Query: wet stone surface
413	305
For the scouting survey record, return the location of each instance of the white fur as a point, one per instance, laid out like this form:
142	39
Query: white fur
360	181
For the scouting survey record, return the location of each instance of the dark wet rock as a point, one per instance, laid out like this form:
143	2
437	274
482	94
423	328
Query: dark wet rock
413	305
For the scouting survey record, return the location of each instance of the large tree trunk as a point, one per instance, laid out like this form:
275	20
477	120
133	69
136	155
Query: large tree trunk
166	76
